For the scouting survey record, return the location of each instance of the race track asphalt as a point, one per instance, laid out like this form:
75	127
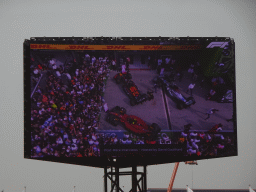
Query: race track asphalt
150	111
154	111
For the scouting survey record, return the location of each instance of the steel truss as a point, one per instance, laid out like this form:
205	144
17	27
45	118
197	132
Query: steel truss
113	176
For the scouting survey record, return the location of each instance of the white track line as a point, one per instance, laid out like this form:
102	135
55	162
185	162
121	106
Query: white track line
167	106
165	109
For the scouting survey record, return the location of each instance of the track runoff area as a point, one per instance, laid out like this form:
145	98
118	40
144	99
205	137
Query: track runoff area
162	110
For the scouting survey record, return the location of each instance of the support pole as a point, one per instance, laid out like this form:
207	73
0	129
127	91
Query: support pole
114	184
112	178
173	176
114	174
145	178
105	179
134	178
117	178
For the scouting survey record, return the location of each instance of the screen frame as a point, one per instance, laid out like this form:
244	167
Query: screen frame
109	161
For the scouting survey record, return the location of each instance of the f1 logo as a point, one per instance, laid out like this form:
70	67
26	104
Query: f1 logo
217	44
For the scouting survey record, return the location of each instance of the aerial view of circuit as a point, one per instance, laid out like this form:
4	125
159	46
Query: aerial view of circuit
83	99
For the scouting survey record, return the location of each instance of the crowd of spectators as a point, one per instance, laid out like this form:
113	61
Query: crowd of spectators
65	114
35	73
212	142
135	139
127	139
205	143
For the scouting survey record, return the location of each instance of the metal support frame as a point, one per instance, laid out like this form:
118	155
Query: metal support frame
113	176
173	177
175	171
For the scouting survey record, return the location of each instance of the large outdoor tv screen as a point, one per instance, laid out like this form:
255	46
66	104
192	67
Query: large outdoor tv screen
143	97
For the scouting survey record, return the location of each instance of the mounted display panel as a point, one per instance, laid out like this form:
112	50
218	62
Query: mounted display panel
140	101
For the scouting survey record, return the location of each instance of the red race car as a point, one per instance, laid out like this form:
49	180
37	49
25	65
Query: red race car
133	123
